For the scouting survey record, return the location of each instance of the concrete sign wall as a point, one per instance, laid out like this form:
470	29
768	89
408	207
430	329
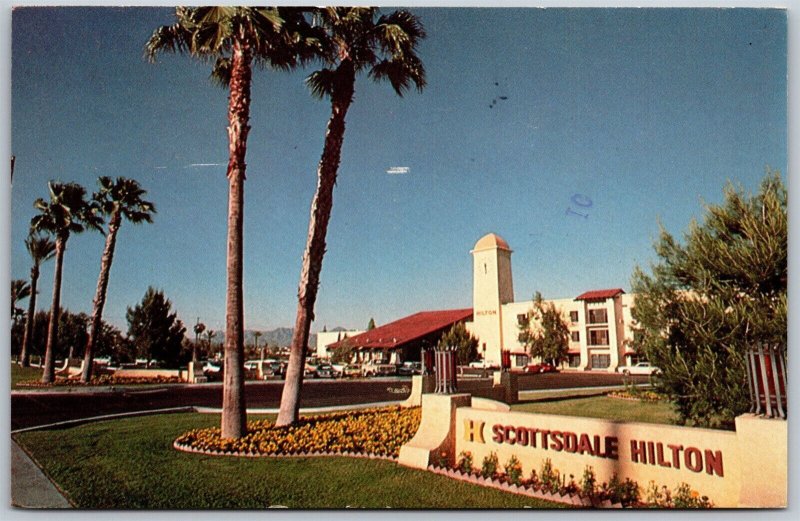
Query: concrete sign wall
745	468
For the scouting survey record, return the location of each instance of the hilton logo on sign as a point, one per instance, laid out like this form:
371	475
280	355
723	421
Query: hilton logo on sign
647	452
486	312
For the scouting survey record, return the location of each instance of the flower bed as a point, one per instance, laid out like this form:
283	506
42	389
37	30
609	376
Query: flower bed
369	432
102	380
637	396
549	484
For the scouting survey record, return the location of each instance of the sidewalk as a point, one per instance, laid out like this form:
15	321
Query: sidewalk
30	488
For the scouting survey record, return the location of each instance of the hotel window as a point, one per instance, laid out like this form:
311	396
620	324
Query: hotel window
574	360
521	318
521	360
598	337
576	336
601	361
598	316
573	316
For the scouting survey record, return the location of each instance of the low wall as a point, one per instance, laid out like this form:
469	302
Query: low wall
151	373
746	468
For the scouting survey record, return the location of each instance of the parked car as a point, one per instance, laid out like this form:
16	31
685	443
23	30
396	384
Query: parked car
338	370
374	368
409	368
310	369
325	371
213	370
484	364
540	368
642	368
252	365
351	371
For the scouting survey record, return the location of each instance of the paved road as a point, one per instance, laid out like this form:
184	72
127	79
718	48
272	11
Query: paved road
29	409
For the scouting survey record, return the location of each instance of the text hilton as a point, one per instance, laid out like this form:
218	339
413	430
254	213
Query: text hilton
668	455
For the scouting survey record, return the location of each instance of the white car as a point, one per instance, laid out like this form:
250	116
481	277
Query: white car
642	368
484	364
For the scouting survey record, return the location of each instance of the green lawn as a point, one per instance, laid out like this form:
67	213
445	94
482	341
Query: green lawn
602	407
21	374
130	463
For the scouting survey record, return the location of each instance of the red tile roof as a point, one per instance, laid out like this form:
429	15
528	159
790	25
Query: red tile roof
412	327
600	294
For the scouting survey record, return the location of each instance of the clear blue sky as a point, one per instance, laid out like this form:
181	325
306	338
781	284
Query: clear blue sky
647	113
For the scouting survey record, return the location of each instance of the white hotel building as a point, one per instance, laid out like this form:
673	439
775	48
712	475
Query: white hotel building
599	321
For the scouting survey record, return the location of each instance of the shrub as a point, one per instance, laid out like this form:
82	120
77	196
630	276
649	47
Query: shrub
513	469
588	487
465	462
624	492
549	477
489	466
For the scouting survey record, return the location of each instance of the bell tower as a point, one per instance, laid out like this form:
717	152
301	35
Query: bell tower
492	287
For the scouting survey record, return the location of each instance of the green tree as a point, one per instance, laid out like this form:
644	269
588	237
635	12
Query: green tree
466	345
236	38
355	41
708	300
41	249
344	353
67	212
116	199
544	332
155	330
371	324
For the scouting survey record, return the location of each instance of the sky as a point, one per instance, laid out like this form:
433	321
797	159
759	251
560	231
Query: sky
629	117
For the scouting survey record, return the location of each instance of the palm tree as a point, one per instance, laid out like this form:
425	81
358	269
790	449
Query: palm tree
210	334
66	213
356	42
116	200
256	336
41	249
20	290
237	37
198	330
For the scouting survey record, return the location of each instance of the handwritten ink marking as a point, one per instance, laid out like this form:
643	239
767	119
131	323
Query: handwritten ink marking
582	201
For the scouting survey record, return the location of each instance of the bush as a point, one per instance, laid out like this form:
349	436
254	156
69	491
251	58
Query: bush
465	462
513	469
489	465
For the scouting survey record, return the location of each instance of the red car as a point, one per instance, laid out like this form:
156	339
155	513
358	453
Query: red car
540	368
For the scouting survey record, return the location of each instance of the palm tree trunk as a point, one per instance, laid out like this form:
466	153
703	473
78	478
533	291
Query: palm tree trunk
48	374
233	400
27	337
100	295
321	207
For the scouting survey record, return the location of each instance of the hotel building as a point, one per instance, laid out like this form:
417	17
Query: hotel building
599	321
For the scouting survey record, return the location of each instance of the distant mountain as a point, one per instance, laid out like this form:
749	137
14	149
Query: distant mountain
281	336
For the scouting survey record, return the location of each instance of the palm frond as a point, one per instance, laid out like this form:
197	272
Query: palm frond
400	74
321	83
221	72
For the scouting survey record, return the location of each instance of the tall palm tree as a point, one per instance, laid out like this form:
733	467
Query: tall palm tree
236	37
356	42
66	212
256	336
41	248
198	330
116	200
